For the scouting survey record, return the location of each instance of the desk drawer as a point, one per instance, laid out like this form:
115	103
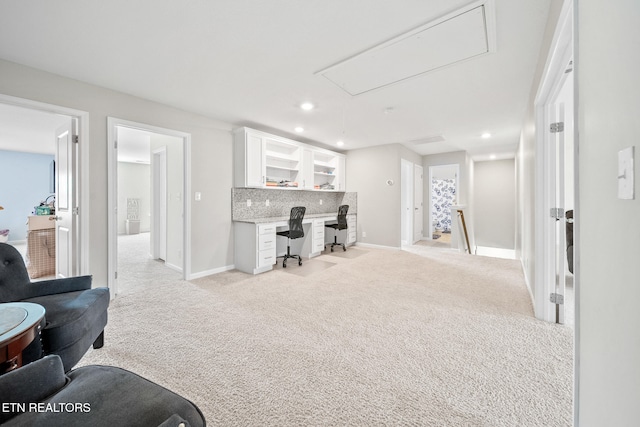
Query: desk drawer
318	246
352	237
266	241
267	229
267	257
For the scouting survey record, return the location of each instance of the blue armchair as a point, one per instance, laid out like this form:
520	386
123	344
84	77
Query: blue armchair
75	314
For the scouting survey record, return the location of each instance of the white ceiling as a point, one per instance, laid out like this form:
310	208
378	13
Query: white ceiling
252	62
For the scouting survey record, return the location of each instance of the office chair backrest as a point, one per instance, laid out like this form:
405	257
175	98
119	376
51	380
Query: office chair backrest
342	217
295	222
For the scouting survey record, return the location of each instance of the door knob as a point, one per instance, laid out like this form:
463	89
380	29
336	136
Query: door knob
55	218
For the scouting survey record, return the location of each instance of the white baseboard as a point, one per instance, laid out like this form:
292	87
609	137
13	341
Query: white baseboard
173	267
495	252
369	245
527	282
210	272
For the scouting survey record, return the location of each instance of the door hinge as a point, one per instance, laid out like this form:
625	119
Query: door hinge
557	213
557	127
116	274
76	210
115	144
556	298
76	139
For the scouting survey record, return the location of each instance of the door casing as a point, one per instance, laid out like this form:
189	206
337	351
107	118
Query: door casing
112	188
81	181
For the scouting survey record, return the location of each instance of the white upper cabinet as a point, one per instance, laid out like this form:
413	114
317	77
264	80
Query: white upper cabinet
263	160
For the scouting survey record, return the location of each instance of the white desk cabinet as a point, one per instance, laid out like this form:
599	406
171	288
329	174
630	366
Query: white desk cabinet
255	247
351	230
317	244
256	244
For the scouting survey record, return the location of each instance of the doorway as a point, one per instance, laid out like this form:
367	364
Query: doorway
443	185
57	136
148	226
556	180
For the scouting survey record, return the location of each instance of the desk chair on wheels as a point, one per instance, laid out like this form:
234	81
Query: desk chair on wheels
340	225
295	231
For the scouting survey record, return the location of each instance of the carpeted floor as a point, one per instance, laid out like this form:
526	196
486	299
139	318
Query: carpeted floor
370	337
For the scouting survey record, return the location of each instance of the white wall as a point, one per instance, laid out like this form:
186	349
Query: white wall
608	228
379	214
134	181
495	203
368	170
211	158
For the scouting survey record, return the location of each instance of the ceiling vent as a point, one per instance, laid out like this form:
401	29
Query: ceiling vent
455	37
427	140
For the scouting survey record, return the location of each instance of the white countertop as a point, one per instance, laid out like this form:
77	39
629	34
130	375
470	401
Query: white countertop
307	218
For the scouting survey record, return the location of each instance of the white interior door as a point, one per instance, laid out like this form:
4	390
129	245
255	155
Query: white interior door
407	202
418	197
65	200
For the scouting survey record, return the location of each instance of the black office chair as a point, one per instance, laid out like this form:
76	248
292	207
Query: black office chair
295	231
340	225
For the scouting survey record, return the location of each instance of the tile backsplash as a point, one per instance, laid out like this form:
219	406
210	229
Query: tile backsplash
281	201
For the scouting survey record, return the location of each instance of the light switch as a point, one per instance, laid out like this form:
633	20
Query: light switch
267	202
625	174
248	203
198	196
320	201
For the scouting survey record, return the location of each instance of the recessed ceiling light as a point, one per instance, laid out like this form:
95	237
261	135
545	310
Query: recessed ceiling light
306	106
340	143
299	129
492	157
485	135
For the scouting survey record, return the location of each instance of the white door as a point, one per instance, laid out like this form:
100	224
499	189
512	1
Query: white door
407	202
418	198
159	214
65	200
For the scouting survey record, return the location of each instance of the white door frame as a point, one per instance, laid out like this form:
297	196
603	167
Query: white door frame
554	76
560	52
83	249
112	188
431	170
159	203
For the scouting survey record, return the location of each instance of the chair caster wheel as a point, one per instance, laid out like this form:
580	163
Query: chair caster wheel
332	249
344	249
284	265
299	262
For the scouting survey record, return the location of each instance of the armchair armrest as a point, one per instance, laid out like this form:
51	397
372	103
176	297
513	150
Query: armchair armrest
56	286
33	382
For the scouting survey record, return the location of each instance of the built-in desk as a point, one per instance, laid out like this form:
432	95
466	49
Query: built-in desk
257	245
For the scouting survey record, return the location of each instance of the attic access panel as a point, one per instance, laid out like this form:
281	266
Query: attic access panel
453	38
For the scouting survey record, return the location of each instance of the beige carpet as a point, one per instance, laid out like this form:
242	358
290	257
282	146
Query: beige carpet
378	338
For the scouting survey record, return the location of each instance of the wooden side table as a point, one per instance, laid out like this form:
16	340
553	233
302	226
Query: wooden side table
19	326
